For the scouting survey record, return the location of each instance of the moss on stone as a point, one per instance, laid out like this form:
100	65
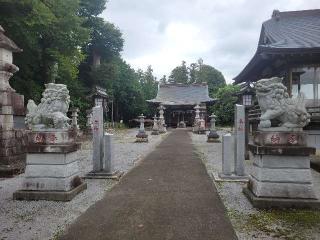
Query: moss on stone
283	224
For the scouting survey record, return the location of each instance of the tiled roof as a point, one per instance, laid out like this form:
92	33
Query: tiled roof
182	94
285	33
296	29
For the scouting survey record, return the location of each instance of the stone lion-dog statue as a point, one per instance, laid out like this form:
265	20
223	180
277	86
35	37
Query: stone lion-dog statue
275	103
51	113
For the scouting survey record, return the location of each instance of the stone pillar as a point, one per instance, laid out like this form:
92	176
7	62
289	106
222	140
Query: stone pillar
12	142
97	120
227	156
108	153
141	136
155	128
213	135
102	149
162	124
239	135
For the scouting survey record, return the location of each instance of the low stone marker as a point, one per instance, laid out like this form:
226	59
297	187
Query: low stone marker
227	156
142	136
233	149
239	134
102	156
97	140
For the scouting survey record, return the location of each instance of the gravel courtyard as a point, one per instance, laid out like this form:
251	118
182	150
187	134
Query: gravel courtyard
45	219
248	222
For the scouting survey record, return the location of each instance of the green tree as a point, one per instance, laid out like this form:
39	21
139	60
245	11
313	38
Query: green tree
193	69
224	107
163	80
211	76
149	87
49	32
179	74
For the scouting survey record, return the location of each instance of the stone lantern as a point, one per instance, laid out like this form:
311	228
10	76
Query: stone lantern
162	124
12	147
213	136
155	128
141	136
196	119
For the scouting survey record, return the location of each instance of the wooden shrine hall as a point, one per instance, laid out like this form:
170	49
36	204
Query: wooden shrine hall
180	100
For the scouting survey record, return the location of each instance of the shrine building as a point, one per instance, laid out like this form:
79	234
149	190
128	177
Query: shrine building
180	100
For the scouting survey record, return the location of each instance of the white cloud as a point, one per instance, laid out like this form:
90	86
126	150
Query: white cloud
224	33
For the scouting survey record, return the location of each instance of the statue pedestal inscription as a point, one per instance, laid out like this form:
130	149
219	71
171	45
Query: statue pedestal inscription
281	175
52	171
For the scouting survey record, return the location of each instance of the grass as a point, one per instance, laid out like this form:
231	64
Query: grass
283	224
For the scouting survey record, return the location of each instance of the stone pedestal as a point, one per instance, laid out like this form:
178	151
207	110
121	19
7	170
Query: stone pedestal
281	176
52	171
107	170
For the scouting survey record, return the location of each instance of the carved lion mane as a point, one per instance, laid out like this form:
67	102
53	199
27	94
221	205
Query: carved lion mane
52	110
275	103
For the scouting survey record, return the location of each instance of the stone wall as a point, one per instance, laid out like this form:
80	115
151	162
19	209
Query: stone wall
12	152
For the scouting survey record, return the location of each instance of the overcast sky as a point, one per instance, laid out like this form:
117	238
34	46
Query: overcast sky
224	33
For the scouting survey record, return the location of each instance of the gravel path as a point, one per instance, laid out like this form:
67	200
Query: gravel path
45	219
249	222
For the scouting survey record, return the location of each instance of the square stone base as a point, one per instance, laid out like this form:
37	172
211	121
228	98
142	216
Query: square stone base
104	175
231	178
213	140
281	203
141	139
283	176
51	171
49	195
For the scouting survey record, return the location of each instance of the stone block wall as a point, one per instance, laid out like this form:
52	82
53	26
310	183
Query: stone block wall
12	152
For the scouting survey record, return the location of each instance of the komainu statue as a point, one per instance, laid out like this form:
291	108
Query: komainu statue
275	103
51	113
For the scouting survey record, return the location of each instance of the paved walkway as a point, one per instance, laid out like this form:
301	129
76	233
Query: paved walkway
168	196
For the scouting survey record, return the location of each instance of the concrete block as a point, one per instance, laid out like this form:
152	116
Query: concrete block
49	195
276	161
48	184
52	158
282	175
281	190
227	154
54	171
